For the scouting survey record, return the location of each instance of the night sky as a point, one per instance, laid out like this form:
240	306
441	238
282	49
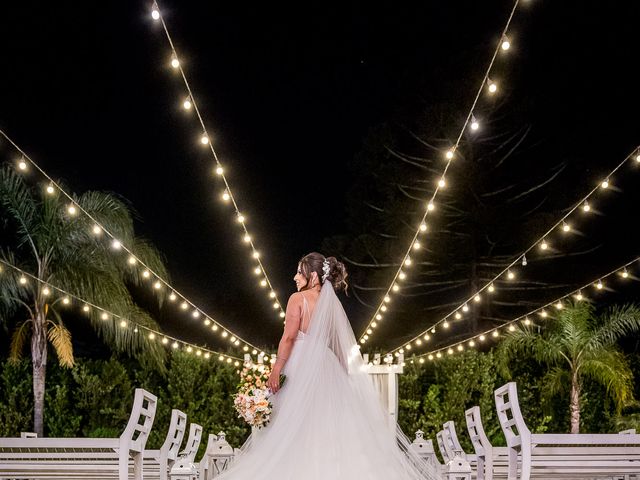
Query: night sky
289	93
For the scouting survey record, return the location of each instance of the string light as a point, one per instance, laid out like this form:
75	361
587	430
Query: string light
115	243
524	319
492	86
605	184
50	189
506	44
541	241
475	125
449	155
205	140
106	315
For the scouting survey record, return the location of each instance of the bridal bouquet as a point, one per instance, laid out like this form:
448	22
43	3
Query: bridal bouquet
252	400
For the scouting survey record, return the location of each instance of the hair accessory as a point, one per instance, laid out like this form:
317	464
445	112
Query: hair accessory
325	269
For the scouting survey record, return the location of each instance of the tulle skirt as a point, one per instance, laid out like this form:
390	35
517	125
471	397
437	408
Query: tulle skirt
323	428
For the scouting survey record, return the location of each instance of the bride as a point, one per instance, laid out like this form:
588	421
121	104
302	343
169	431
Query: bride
328	422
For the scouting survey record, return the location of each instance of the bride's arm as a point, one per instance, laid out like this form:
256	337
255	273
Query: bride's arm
292	325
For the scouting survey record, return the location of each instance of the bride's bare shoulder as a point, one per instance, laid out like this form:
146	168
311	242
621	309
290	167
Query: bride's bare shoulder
296	298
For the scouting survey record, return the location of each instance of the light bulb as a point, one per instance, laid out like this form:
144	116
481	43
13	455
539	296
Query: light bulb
50	189
460	348
104	316
418	342
512	328
155	14
157	285
387	299
465	308
558	305
408	346
195	314
476	298
226	197
543	314
146	274
450	351
132	260
449	154
430	357
282	314
599	285
407	261
458	315
524	260
493	87
187	104
439	355
374	324
172	297
123	323
263	283
416	245
426	337
86	308
272	294
23	280
474	123
225	334
506	44
586	207
204	140
402	275
625	273
219	170
445	324
256	254
395	288
378	317
482	338
247	238
566	227
214	327
472	343
46	291
72	210
495	333
527	322
66	300
276	305
605	183
442	183
579	295
638	156
240	218
22	165
189	349
423	227
421	360
431	207
491	288
152	336
175	63
510	275
207	322
544	245
383	308
198	353
184	305
116	245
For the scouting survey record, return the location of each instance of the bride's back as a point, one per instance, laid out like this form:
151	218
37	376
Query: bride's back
309	300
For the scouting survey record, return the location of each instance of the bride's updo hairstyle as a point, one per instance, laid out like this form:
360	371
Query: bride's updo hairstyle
313	262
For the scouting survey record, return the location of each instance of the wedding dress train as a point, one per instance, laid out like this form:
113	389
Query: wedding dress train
328	422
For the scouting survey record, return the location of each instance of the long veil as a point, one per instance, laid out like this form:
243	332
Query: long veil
328	420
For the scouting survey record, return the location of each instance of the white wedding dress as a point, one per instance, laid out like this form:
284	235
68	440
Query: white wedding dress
328	422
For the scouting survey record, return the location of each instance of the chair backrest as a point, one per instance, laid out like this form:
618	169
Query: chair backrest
177	427
143	412
446	455
509	415
193	443
450	438
479	439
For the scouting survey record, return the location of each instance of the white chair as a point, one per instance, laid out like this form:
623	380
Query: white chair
558	456
157	463
43	458
492	461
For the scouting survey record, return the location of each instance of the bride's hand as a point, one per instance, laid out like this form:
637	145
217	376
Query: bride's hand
274	380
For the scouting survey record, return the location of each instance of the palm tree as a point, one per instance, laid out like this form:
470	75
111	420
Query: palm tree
62	250
577	345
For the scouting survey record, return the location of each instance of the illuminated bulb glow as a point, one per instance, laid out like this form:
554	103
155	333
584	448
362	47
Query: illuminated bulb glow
472	343
383	308
442	183
23	280
559	305
123	324
426	337
625	274
465	308
96	230
50	190
378	317
240	218
439	355
402	276
152	336
495	333
66	300
226	197
46	291
476	298
257	271
506	44
458	315
605	184
493	87
395	288
263	283
527	322
104	316
184	305
512	328
449	154
445	324
566	227
450	351
132	260
22	165
407	261
219	171
175	63
544	245
579	296
172	297
187	104
586	207
204	140
460	348
482	338
195	314
72	210
157	285
174	345
86	308
387	299
423	227
431	207
146	274
116	245
155	14
256	254
599	285
272	294
416	245
430	357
